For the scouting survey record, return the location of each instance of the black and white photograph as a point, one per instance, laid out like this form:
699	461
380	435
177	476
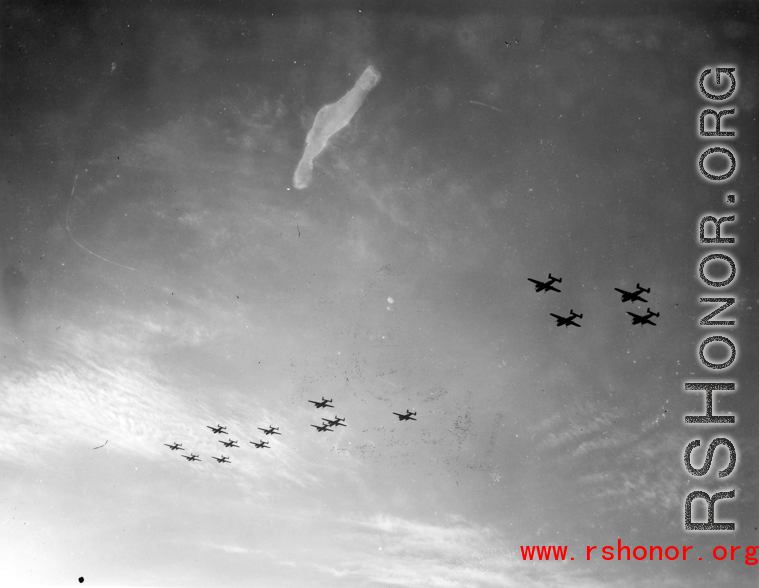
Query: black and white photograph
394	294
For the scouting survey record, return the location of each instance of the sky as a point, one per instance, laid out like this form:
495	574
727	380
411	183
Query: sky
161	273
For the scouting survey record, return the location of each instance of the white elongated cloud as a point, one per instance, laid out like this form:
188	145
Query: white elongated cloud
329	120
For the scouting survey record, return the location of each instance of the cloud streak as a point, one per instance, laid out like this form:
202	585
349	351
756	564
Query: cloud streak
329	120
451	553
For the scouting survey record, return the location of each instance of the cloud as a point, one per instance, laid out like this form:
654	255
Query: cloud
452	553
329	120
576	430
233	548
99	385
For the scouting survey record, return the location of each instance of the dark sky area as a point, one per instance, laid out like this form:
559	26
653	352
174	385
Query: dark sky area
159	273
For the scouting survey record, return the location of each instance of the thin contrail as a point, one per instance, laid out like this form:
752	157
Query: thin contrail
77	242
485	105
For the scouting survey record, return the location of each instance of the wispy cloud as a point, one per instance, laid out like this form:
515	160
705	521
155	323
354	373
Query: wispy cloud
574	431
452	553
100	386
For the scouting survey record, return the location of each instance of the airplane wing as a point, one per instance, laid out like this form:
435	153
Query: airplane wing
621	291
535	281
554	289
556	316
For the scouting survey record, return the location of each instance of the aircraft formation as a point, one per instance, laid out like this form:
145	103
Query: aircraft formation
566	321
325	426
327	423
330	425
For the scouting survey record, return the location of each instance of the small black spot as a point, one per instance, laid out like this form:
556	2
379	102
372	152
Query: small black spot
81	579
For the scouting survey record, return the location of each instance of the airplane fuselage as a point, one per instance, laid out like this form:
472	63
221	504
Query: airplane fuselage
565	321
643	319
545	286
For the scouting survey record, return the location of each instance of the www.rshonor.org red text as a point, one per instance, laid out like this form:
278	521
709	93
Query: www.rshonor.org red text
640	552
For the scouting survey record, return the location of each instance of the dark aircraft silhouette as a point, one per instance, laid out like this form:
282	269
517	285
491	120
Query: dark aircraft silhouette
322	428
263	444
407	416
562	321
192	457
175	446
545	286
270	431
229	443
322	403
643	320
633	296
218	430
336	423
221	459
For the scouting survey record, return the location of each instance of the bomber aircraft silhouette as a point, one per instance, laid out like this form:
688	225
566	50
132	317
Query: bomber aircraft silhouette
633	296
643	320
407	416
562	321
221	459
338	422
263	444
545	286
229	443
218	430
322	428
322	403
192	457
175	446
270	431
